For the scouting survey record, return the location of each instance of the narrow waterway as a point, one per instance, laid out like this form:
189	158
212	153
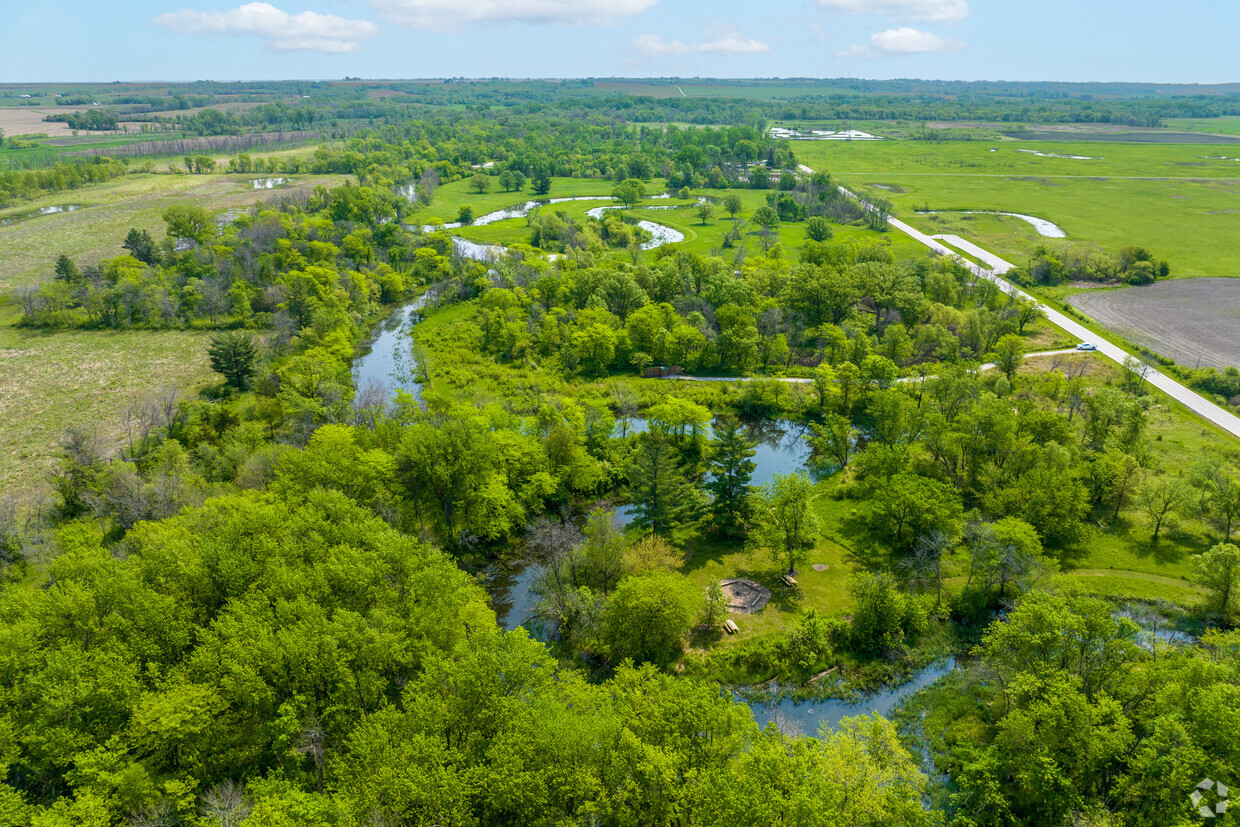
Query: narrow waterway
809	717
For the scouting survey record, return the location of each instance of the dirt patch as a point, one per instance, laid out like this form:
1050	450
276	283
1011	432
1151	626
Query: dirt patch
744	596
1193	321
820	567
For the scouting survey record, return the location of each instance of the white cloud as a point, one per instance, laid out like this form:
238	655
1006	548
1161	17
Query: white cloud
447	14
929	11
279	30
902	41
720	40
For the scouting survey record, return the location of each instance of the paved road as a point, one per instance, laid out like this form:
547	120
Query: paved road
1195	402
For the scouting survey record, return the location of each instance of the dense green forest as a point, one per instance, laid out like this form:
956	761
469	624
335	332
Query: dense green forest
267	604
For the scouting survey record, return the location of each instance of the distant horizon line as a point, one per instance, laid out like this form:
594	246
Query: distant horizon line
607	78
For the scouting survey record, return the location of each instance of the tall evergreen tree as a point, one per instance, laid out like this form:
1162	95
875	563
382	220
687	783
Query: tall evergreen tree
140	245
659	488
233	356
731	470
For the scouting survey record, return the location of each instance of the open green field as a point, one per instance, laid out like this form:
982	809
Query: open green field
1210	126
29	248
50	381
1171	199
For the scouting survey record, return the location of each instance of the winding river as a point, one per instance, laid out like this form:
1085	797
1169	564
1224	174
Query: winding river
660	234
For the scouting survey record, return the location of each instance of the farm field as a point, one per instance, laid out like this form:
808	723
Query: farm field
1192	321
27	120
28	248
1171	199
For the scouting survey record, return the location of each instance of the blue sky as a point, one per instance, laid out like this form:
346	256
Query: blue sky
1190	41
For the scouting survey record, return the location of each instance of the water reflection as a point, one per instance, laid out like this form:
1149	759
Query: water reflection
808	717
23	216
390	361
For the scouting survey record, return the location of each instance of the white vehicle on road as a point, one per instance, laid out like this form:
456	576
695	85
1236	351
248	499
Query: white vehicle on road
1086	346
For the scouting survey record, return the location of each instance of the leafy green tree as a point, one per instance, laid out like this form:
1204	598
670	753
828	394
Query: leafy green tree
857	774
648	617
603	549
766	218
1221	494
188	221
788	524
705	211
733	205
1162	498
651	553
715	609
234	356
909	506
825	387
818	229
884	619
835	438
466	215
480	183
731	470
541	178
629	192
1027	312
1218	572
1009	354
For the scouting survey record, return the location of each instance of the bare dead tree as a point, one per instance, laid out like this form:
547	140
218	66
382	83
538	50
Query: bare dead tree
155	815
227	804
169	404
427	185
125	498
370	403
313	743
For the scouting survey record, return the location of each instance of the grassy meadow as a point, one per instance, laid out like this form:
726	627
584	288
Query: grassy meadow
51	381
28	248
1170	198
